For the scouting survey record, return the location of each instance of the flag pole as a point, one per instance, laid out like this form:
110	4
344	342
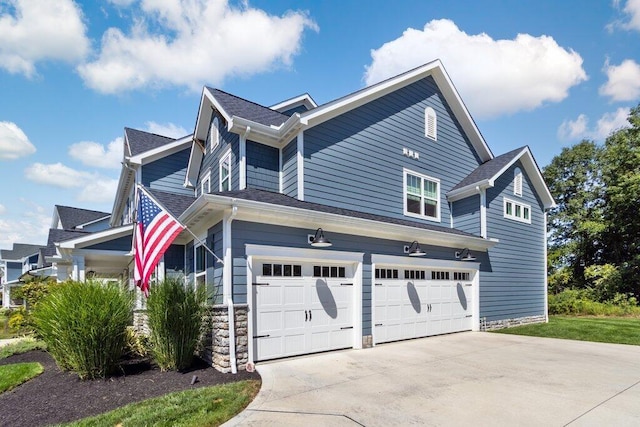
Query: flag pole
140	188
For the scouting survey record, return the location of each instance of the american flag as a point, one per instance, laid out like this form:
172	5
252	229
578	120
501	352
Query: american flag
154	232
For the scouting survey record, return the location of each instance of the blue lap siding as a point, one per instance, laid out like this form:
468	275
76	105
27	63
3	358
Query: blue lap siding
263	167
466	214
168	173
290	169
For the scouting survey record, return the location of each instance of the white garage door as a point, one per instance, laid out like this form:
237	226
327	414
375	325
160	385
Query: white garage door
302	308
412	303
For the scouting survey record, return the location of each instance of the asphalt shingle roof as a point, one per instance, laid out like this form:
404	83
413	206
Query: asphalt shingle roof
140	141
239	107
19	251
176	204
284	200
71	217
488	169
56	236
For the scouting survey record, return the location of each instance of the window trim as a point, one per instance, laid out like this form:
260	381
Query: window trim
430	117
406	172
225	158
215	126
203	273
205	180
513	215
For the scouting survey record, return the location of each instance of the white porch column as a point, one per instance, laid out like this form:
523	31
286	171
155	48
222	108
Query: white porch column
77	272
300	165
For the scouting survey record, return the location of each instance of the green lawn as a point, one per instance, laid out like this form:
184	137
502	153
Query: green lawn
13	375
617	330
209	406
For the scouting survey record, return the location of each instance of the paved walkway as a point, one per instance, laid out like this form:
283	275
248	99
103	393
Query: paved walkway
9	341
478	379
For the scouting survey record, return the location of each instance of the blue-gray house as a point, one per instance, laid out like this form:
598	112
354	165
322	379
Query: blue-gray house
380	216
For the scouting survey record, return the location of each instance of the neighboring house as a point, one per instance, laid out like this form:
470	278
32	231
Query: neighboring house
428	231
13	264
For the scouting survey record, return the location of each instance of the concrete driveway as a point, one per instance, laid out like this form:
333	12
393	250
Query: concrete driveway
454	380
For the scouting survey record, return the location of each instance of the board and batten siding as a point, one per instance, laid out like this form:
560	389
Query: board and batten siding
214	268
263	167
514	284
168	173
355	160
466	214
273	235
290	169
211	159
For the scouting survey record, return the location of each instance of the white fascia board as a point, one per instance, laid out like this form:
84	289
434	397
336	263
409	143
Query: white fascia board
193	167
469	190
534	174
275	136
55	219
124	184
437	71
161	152
304	99
97	237
81	226
260	212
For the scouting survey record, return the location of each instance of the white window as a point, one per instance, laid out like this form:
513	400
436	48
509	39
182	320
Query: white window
214	133
517	182
421	196
430	123
225	172
205	184
517	211
200	265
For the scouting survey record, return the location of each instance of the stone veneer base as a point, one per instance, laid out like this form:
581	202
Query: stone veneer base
509	323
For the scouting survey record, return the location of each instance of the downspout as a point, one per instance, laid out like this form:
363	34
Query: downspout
227	284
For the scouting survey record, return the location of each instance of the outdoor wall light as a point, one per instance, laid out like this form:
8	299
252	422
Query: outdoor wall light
465	255
319	241
415	250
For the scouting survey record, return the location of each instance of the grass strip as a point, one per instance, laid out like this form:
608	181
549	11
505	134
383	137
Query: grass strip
614	330
17	373
22	346
208	406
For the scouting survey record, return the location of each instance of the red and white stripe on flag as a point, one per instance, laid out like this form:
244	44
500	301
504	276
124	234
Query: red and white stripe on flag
155	231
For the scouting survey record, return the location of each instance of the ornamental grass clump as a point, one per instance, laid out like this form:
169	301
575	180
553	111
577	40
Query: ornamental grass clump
84	325
175	318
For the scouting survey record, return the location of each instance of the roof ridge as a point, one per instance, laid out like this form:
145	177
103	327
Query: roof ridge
154	134
246	100
82	209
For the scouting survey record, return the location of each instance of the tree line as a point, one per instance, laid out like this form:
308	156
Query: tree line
594	231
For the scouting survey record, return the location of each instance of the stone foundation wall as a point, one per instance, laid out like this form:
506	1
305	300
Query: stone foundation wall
367	341
215	337
509	323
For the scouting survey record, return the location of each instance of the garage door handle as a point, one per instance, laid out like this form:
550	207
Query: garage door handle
310	315
378	284
262	336
378	324
346	327
306	315
260	284
468	315
346	284
468	284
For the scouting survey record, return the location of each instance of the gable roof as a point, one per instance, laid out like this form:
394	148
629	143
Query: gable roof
235	106
71	217
139	141
303	100
56	236
19	251
484	176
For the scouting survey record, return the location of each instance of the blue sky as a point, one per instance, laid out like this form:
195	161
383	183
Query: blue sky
73	74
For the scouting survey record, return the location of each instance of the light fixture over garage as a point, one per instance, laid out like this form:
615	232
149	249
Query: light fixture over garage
319	241
465	255
415	250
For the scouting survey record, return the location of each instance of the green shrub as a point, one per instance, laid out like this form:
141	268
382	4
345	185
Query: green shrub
583	302
604	281
175	317
84	326
18	320
137	343
35	291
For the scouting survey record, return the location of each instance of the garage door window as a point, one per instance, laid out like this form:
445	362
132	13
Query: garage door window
329	271
415	274
440	275
386	273
282	270
460	275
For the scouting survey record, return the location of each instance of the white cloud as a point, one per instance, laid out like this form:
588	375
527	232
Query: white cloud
167	129
173	43
494	77
2	209
39	30
632	9
571	130
623	81
97	155
32	226
13	142
92	187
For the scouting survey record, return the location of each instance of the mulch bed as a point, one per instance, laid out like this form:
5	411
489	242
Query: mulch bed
56	396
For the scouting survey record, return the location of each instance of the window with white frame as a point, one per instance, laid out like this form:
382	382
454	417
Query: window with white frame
517	211
421	196
225	172
430	123
200	265
517	182
205	184
214	133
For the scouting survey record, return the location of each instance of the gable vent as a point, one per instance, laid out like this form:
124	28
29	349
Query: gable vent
430	124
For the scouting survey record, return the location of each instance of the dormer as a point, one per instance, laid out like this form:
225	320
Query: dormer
298	104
